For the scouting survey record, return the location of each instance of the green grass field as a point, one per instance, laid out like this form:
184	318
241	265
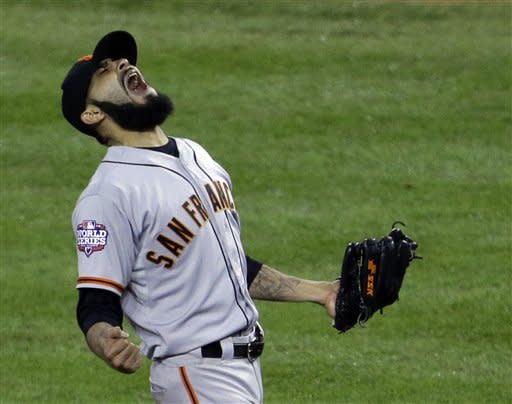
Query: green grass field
334	118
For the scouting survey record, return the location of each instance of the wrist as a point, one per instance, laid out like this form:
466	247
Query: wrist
325	290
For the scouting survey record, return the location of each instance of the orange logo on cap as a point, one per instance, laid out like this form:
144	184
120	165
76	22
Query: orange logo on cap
85	58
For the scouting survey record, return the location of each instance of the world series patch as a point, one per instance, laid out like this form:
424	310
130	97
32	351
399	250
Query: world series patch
91	237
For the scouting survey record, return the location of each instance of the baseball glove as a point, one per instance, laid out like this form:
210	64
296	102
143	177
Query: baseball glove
371	277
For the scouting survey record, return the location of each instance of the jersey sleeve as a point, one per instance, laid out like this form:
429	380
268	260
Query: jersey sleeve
104	244
253	267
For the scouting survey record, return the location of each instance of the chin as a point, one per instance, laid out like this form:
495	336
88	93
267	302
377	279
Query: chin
143	117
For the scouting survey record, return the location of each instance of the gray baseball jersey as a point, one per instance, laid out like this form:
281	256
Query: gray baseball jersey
163	233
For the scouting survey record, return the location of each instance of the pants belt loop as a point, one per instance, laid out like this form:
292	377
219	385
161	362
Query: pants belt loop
227	348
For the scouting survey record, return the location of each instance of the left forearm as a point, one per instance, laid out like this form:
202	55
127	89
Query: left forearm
270	284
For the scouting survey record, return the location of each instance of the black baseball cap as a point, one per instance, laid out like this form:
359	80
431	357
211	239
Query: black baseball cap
115	45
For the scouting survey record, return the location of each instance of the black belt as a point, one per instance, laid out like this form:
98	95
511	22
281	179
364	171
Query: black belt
251	350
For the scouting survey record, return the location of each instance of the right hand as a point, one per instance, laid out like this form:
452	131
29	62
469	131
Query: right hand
112	345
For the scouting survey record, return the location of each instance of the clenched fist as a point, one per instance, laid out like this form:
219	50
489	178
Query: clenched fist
111	344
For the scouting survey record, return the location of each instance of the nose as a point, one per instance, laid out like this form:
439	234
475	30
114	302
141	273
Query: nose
122	64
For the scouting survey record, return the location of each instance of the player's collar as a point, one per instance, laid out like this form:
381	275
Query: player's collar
169	148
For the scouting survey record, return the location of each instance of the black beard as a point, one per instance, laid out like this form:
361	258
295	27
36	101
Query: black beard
139	117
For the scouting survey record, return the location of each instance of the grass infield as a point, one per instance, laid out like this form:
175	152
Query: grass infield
334	118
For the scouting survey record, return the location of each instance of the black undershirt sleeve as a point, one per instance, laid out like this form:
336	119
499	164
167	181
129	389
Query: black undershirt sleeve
96	305
253	267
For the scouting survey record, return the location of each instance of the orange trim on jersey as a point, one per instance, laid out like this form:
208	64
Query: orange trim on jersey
101	281
188	386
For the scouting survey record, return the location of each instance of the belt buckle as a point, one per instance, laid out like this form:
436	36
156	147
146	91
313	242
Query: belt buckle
254	350
255	347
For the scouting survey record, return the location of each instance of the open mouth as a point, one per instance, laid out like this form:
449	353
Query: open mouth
134	82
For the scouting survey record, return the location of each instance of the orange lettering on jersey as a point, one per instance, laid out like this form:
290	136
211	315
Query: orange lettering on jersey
194	206
181	230
213	198
222	196
198	204
160	259
191	212
197	212
173	246
229	196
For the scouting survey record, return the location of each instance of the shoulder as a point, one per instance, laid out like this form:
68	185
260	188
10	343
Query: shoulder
193	146
107	184
194	151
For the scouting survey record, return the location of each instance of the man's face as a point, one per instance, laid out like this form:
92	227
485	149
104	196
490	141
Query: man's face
119	82
121	91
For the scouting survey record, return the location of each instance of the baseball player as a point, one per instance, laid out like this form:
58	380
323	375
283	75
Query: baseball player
158	242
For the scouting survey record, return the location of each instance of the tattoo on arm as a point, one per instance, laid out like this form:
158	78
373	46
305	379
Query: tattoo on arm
270	284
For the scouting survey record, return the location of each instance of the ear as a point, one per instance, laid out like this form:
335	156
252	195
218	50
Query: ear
92	115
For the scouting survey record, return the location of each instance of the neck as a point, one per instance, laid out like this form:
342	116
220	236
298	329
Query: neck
152	138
